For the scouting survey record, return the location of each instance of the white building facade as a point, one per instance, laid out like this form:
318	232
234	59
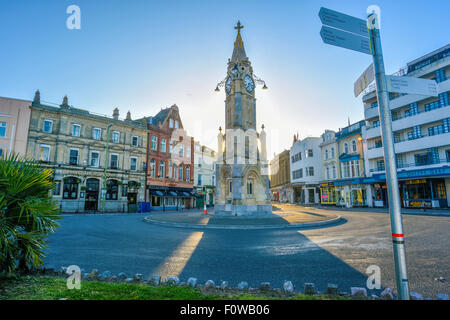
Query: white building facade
306	170
205	174
421	127
330	168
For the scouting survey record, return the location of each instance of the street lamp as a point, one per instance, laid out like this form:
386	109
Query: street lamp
106	165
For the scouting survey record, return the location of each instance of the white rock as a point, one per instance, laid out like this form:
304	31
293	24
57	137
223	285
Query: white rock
415	296
288	287
358	292
209	284
442	296
243	285
173	281
192	282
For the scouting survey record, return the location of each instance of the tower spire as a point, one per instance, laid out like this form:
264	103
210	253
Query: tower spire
238	51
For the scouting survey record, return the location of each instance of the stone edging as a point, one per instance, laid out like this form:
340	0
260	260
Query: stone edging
148	219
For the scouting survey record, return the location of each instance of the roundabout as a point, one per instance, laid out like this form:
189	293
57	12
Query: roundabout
282	217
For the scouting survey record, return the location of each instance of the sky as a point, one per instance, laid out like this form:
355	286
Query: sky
141	56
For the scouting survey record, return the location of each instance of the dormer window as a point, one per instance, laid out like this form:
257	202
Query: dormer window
170	123
176	124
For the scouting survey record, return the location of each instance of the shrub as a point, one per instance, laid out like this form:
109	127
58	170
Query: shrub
27	213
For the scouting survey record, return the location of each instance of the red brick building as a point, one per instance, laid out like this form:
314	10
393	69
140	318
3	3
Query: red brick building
170	162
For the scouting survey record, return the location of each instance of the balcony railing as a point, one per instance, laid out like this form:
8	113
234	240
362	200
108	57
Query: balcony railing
415	164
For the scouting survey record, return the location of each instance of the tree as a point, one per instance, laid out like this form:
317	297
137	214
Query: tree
28	214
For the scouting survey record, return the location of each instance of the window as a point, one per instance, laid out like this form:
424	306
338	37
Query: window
162	167
152	168
114	161
309	171
133	163
230	186
170	123
181	154
95	159
188	173
354	147
422	159
199	181
334	172
163	145
112	189
345	147
326	154
57	189
296	174
436	130
76	130
73	157
250	187
135	142
415	134
176	124
44	153
332	153
328	173
440	75
170	170
97	134
1	152
47	126
154	143
116	137
374	104
188	151
171	146
70	188
309	153
3	126
180	173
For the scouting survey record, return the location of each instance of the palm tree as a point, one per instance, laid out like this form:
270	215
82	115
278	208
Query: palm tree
27	213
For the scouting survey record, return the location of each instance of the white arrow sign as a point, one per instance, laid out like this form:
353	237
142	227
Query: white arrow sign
342	21
364	80
412	85
344	39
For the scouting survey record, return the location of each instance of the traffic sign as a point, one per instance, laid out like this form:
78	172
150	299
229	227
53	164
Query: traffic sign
412	85
364	80
344	39
344	22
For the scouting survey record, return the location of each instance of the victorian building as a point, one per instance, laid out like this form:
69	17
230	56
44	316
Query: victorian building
205	174
97	161
421	128
350	185
330	168
241	169
306	170
280	188
170	162
14	122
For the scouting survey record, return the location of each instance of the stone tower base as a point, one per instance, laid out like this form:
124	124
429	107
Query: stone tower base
243	210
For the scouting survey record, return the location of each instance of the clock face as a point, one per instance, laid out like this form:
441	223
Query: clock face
228	85
249	84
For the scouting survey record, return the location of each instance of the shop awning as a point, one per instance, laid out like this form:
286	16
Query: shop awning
157	193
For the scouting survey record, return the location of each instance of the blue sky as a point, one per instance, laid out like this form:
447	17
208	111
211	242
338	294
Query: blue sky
145	55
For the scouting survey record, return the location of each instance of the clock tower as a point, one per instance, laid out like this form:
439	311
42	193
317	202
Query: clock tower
241	169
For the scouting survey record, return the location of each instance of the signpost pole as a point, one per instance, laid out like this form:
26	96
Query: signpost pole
389	157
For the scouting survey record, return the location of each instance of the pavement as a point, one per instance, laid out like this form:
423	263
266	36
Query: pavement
339	253
286	216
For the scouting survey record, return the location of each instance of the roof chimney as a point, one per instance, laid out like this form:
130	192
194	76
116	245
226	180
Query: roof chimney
116	114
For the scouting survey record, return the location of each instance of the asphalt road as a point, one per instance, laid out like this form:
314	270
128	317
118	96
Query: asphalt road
338	254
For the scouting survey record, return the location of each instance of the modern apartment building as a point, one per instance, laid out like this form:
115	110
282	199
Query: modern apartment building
306	170
421	126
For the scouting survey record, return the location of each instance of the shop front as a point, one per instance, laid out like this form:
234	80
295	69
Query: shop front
351	192
328	193
169	199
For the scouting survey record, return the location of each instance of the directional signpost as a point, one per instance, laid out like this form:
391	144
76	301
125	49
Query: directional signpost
364	80
412	85
350	36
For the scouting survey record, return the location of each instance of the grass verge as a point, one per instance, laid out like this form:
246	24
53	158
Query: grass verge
54	288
